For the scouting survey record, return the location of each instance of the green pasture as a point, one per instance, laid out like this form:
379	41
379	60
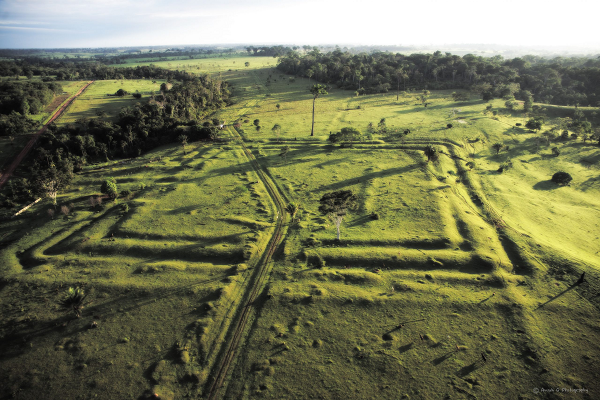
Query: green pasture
99	98
469	261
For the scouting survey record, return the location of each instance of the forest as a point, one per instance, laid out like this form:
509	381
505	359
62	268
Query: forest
560	81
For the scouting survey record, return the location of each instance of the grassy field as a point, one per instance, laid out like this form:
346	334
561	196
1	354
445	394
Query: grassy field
461	287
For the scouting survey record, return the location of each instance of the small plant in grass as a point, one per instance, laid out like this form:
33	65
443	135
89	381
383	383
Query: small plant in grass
183	139
51	213
562	178
292	209
125	193
470	164
73	300
64	210
124	207
555	151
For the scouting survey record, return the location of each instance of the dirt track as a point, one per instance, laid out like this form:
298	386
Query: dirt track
11	168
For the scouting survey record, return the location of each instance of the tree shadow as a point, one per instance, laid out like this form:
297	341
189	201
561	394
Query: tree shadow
443	358
464	371
546	185
558	295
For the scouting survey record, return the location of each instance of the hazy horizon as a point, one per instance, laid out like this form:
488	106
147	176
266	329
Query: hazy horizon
129	23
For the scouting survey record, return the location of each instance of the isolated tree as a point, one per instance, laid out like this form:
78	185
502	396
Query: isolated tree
562	178
431	153
276	130
184	141
316	91
336	204
120	93
497	146
109	188
292	209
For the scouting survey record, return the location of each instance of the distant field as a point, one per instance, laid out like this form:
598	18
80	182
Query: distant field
448	282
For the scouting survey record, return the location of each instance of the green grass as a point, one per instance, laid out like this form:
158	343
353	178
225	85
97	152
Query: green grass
473	261
98	98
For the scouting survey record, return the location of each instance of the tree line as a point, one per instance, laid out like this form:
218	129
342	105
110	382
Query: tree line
560	81
65	70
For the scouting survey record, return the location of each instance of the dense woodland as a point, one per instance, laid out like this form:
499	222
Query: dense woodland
561	81
179	113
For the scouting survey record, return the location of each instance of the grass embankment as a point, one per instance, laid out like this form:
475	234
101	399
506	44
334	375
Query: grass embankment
474	261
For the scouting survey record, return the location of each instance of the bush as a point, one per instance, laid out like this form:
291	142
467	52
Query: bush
125	193
449	126
555	151
109	187
505	166
562	178
137	95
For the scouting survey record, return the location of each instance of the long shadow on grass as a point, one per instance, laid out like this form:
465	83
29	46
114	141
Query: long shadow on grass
464	371
379	174
557	296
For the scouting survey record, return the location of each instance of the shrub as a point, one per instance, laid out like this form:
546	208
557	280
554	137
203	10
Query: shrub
556	151
449	126
109	187
518	124
470	164
73	300
125	207
137	95
125	193
562	178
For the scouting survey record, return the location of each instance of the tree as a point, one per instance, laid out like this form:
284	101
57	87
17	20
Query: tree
347	134
431	153
15	124
336	204
109	188
184	141
316	91
49	181
120	93
498	146
276	130
292	209
284	152
535	124
562	178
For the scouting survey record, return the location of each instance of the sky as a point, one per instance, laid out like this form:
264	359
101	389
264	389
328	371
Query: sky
120	23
